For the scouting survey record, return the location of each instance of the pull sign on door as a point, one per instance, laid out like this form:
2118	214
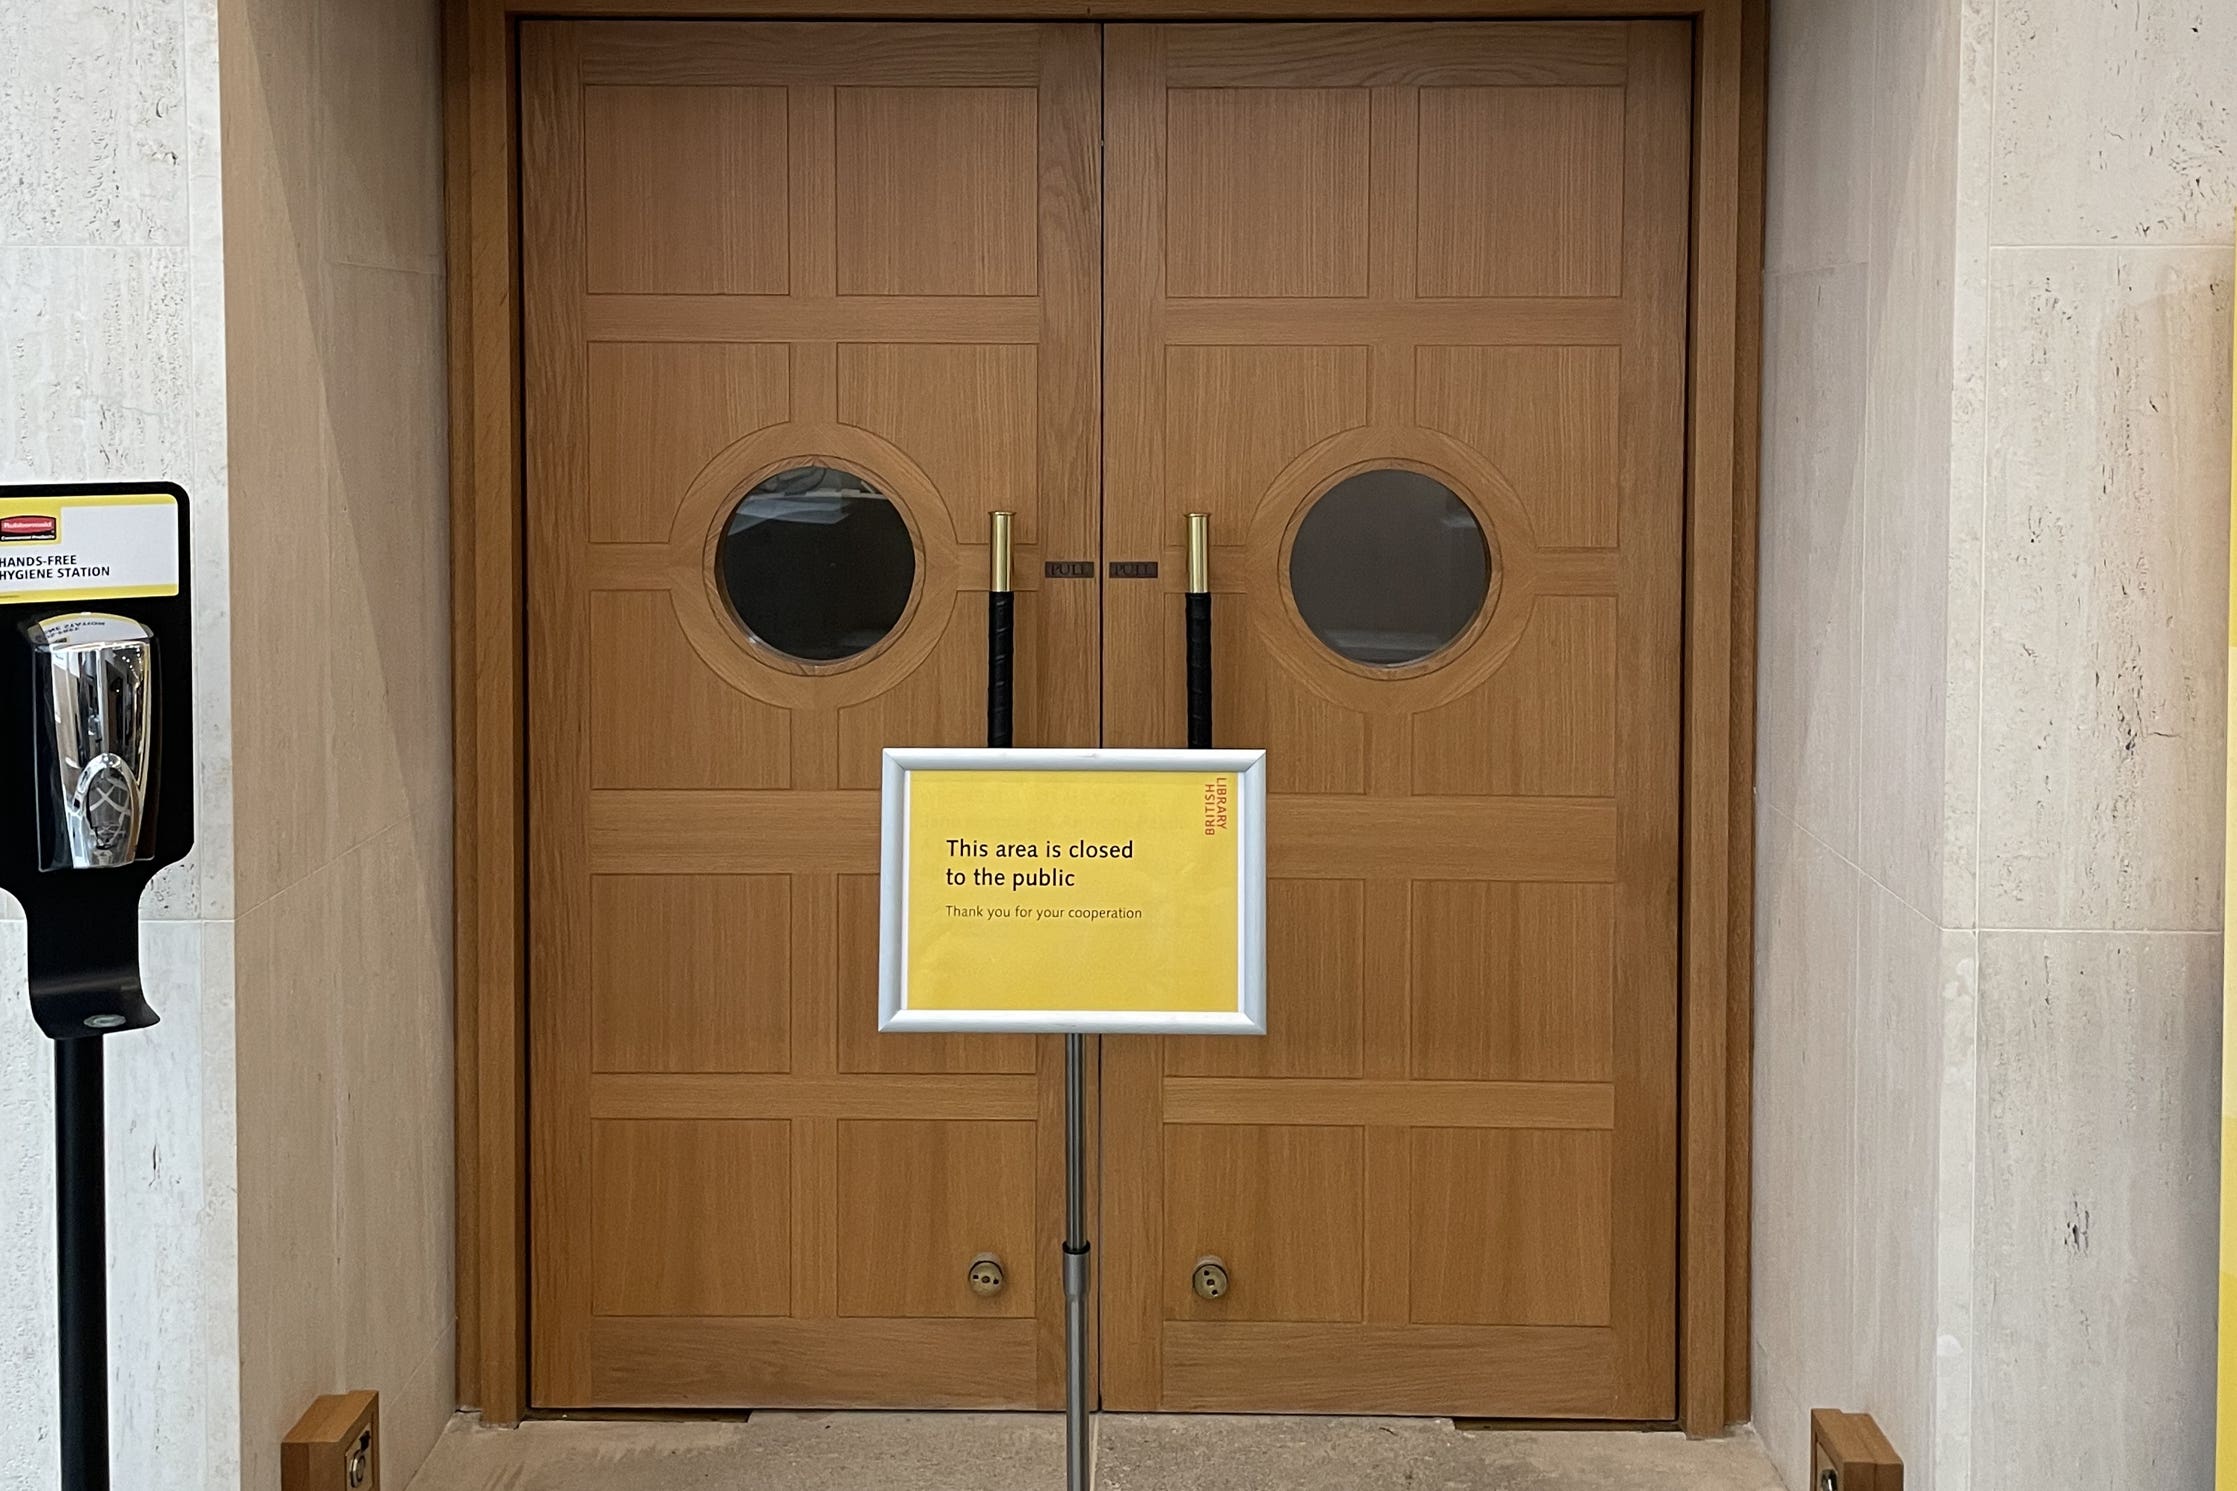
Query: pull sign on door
1074	891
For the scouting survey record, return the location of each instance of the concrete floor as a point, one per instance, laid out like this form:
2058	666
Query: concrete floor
1025	1452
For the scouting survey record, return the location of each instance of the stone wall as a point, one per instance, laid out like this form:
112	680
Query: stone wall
1995	501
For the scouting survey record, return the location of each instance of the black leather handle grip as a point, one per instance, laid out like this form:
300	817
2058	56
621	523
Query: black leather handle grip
1199	671
1001	654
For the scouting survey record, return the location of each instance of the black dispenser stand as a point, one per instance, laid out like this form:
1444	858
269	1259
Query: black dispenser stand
82	1261
82	920
1199	602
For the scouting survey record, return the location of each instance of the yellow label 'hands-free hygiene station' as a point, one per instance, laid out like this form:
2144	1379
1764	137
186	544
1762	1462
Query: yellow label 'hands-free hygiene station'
1073	891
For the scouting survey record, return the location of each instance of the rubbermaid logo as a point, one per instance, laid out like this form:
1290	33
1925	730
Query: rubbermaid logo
26	526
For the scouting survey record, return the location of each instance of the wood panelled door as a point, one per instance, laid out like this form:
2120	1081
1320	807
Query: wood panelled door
1403	307
803	304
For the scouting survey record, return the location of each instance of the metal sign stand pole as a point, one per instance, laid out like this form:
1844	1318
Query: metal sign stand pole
1077	1470
82	1262
1000	663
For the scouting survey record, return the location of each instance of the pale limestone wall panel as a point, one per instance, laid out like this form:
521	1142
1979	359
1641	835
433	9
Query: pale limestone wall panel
170	1178
280	440
395	1165
93	126
1854	721
2096	1244
1948	1460
1807	900
343	700
101	380
388	553
1969	445
1812	548
1894	1161
1904	464
207	873
2043	476
171	1192
112	368
27	1323
96	362
2114	122
380	130
2105	581
289	1148
1818	173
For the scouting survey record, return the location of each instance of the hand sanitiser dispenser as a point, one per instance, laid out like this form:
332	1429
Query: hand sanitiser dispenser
94	678
96	796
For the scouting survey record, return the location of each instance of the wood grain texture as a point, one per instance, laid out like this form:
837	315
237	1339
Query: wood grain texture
1747	420
471	1174
1316	940
777	54
918	1201
1381	54
562	1180
1514	197
1245	219
980	439
1521	320
938	187
1544	724
1651	568
1452	1104
1547	417
1113	10
773	1095
1509	1371
748	248
1550	1226
1245	412
639	653
1508	809
488	596
659	412
813	318
861	1047
696	1218
1716	760
1514	981
719	1362
1233	1191
686	190
691	974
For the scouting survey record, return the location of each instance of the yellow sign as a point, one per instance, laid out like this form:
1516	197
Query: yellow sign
1073	891
88	546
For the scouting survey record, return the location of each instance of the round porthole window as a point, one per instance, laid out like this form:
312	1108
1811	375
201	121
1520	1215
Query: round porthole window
817	564
1390	567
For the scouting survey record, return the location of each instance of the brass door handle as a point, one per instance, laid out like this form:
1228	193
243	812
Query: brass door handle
1199	603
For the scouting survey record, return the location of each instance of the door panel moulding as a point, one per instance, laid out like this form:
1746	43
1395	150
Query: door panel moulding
489	614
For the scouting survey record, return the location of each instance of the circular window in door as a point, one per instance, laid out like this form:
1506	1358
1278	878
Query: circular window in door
816	564
1390	567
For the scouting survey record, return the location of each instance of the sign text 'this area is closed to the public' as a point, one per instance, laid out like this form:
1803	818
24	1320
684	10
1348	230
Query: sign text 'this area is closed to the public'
1073	890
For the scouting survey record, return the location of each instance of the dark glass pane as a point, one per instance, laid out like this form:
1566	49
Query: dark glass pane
817	564
1389	566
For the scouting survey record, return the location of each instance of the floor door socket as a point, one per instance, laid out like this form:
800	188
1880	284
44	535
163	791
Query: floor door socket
1849	1453
335	1446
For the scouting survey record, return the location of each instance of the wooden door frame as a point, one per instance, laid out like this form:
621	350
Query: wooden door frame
489	604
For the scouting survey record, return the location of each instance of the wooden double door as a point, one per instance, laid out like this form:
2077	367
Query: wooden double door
1403	308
